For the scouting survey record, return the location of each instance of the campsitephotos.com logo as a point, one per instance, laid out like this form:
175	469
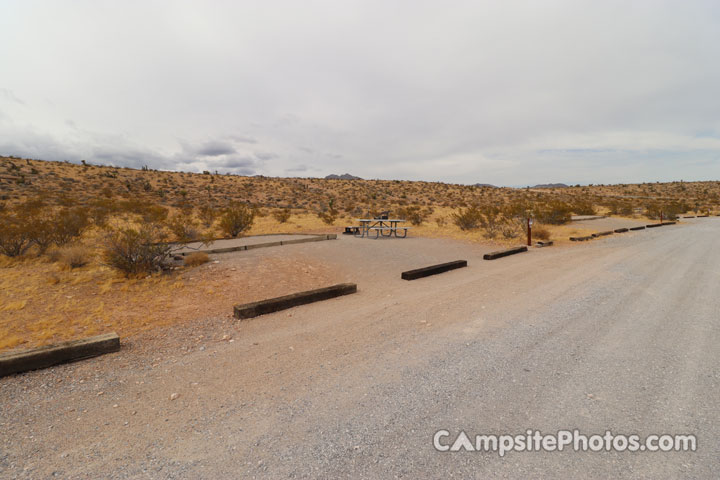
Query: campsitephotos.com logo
536	441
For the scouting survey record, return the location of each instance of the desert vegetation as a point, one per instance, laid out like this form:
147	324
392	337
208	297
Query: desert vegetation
112	232
46	205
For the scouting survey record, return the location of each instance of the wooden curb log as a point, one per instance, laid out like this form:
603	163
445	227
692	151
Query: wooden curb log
316	238
602	234
654	225
250	310
668	223
433	270
547	243
504	253
43	357
621	230
642	227
580	239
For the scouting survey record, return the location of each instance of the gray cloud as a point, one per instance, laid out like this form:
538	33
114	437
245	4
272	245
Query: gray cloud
9	96
266	155
243	139
506	93
215	149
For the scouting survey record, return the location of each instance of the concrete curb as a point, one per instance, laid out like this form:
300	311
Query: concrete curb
504	253
251	310
602	234
50	355
318	238
580	239
433	270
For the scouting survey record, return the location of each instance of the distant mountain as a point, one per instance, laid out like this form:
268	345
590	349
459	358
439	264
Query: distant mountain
484	185
550	185
344	176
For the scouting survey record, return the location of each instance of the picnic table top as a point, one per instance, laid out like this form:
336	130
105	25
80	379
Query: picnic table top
380	220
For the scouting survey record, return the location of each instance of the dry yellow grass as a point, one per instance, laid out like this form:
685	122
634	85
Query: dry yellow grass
94	299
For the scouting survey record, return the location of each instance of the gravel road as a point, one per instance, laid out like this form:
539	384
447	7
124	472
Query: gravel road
619	334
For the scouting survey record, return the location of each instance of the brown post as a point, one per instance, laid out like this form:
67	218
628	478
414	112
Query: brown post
661	216
529	232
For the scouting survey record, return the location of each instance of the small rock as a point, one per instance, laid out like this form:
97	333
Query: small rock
174	396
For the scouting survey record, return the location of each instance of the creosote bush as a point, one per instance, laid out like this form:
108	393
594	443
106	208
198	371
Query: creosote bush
415	214
183	228
15	237
136	252
468	219
236	219
282	216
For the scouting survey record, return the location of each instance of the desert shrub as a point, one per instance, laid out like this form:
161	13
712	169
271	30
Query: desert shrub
669	211
441	221
183	228
583	207
282	216
512	227
68	224
415	214
100	209
540	233
15	237
196	259
553	213
236	219
153	213
207	215
492	221
328	215
468	219
616	207
40	229
137	251
73	256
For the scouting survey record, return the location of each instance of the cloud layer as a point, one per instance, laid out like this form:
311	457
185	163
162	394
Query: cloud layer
509	93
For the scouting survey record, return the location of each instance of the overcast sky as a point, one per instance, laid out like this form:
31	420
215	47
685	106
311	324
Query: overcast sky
501	92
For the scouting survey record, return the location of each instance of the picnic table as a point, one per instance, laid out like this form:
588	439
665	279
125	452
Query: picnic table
386	227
